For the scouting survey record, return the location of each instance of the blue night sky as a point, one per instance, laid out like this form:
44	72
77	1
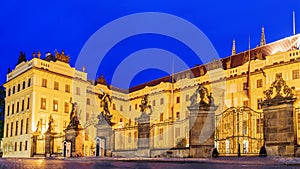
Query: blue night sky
55	25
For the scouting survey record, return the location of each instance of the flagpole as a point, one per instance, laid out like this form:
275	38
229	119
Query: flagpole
248	75
172	92
294	23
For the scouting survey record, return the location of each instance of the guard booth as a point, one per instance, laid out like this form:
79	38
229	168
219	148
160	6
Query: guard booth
100	146
67	148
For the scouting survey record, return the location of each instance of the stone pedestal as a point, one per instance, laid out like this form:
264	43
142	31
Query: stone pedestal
74	134
35	136
202	126
143	135
279	128
49	143
105	133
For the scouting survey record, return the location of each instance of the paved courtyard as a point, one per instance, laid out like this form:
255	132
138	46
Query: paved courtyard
140	163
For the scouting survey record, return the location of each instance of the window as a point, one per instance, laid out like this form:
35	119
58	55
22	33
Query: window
161	101
259	103
27	123
8	108
28	102
88	101
16	146
11	129
78	90
23	86
22	106
153	102
135	135
259	83
161	118
55	105
18	105
245	103
87	116
7	126
295	74
245	127
130	108
17	126
135	106
65	123
187	97
14	88
29	82
161	132
8	92
177	115
177	132
66	107
177	99
129	122
44	82
12	109
43	103
114	106
25	148
129	137
56	86
245	86
20	146
121	107
259	125
67	88
19	87
21	127
42	123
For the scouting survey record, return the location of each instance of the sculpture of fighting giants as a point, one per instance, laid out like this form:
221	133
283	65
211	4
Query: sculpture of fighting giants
74	115
105	115
202	97
144	105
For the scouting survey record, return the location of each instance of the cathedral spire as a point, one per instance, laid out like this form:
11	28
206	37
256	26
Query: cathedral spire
233	48
263	38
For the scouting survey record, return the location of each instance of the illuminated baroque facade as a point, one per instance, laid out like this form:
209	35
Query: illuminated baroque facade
42	88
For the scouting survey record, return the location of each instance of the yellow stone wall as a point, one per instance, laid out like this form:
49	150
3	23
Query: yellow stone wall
169	119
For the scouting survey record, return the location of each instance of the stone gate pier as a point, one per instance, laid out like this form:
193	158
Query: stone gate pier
280	133
202	123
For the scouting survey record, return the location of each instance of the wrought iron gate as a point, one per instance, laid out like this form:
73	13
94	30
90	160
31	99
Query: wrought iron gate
239	131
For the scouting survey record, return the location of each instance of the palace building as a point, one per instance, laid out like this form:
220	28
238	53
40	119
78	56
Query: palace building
40	93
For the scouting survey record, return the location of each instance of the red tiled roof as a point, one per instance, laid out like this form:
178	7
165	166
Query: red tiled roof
239	59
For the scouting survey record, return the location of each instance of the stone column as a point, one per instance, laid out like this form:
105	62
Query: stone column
202	123
143	135
202	126
48	144
35	136
75	135
104	131
279	119
279	132
74	132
